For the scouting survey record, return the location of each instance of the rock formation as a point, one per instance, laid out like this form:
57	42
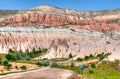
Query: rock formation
77	32
52	16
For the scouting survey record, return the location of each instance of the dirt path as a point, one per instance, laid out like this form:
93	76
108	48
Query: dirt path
42	73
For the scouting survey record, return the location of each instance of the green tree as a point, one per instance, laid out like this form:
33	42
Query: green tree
8	57
5	62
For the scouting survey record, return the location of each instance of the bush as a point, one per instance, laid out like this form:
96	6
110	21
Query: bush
82	67
7	67
70	55
72	64
39	63
86	57
54	64
79	59
16	67
91	56
45	63
93	65
8	57
23	67
5	62
91	71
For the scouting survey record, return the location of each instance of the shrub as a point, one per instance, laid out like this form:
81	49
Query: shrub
7	66
39	63
70	55
5	62
8	57
86	57
72	64
45	63
82	67
93	65
23	67
54	64
91	71
79	59
16	67
91	56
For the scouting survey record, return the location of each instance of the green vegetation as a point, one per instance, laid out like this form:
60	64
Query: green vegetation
103	55
79	59
100	56
70	55
8	66
45	63
82	67
20	55
54	64
23	67
93	65
102	71
16	67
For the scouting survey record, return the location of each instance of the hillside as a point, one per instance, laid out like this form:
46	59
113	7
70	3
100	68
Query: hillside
4	13
46	15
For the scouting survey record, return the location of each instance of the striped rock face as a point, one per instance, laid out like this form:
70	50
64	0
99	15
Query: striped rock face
59	42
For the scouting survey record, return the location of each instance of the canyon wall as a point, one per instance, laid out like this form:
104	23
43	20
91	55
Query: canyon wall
59	42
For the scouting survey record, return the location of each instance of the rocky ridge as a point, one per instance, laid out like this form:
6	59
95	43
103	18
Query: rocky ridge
53	16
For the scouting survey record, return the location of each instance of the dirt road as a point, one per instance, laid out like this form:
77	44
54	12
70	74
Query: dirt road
42	73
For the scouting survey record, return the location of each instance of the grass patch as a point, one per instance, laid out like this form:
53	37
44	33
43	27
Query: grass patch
103	71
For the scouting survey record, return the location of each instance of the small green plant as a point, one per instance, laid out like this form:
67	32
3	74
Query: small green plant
23	67
82	67
91	71
54	64
79	59
45	63
86	58
90	55
93	65
16	67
